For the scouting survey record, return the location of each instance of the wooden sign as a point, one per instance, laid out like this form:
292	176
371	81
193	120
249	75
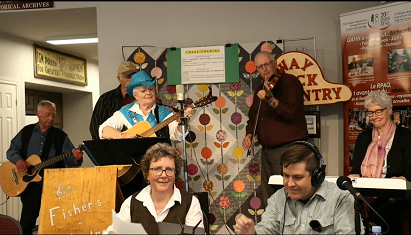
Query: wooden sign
58	66
317	90
77	200
20	5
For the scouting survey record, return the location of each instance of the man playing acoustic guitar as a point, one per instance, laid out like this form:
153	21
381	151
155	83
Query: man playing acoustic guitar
45	141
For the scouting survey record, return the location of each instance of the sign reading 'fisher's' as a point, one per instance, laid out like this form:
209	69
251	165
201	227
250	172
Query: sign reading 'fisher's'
20	5
60	67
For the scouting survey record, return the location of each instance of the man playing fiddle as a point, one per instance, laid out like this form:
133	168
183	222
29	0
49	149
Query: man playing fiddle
281	117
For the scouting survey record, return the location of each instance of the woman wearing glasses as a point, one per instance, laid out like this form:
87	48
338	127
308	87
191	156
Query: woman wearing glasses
141	115
383	152
160	201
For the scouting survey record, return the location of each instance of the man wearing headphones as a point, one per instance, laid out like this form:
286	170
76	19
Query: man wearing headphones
307	203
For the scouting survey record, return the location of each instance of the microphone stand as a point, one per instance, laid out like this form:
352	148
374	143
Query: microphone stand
183	128
357	217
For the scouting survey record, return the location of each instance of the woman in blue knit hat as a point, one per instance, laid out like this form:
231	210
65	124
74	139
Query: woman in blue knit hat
144	111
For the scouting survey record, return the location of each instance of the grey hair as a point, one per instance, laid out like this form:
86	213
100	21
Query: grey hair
45	103
158	151
135	89
264	53
378	97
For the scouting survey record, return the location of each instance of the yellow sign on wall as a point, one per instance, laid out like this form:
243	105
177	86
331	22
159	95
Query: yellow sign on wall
58	66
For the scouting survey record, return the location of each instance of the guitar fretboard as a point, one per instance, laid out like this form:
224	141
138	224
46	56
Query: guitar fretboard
162	124
53	160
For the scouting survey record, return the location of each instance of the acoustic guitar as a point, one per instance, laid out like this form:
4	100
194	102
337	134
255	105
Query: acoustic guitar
14	183
125	173
144	129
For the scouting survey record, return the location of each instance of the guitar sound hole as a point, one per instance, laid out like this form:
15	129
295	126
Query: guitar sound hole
31	170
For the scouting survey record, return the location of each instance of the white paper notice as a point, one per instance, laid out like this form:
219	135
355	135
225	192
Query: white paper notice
203	65
122	227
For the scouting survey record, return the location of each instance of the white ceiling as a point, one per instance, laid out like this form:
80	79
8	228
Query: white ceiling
36	25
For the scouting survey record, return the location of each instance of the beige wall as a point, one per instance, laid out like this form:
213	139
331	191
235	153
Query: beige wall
167	24
178	24
16	64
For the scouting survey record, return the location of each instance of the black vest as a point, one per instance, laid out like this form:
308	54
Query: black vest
140	214
54	136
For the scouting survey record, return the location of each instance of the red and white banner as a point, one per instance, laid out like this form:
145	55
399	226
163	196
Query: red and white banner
376	51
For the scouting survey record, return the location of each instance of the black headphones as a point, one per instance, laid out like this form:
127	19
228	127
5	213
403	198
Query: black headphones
318	174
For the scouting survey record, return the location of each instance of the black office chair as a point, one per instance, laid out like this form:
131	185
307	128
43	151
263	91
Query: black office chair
203	199
8	225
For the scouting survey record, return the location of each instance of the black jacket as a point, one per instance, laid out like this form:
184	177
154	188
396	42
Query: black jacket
398	158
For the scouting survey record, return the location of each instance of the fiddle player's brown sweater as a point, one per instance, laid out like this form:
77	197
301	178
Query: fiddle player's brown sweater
140	213
286	122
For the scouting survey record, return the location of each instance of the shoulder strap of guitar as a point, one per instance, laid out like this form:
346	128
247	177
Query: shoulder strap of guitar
163	132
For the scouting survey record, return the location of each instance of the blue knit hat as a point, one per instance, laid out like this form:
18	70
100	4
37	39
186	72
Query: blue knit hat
140	78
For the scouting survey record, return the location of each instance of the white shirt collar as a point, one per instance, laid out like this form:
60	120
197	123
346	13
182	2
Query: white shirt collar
145	197
136	108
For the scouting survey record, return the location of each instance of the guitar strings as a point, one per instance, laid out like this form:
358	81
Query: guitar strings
39	166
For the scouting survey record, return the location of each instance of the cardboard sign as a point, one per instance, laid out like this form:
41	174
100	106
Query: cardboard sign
77	200
317	90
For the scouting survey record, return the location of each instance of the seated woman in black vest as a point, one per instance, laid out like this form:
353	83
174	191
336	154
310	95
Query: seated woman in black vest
161	200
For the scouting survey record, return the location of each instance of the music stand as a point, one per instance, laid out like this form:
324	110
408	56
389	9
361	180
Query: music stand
119	151
105	152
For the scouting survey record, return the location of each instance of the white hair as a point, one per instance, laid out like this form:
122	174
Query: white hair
45	103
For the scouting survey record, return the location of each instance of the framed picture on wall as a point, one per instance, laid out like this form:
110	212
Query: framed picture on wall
59	67
313	123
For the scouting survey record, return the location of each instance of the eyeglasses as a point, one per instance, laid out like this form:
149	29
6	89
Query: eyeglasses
266	65
377	112
158	171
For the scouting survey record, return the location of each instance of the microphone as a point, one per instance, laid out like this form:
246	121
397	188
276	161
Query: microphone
316	226
345	183
180	93
181	225
194	229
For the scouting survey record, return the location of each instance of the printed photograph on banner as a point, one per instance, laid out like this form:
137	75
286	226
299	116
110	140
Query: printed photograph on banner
351	153
358	120
401	116
398	60
361	65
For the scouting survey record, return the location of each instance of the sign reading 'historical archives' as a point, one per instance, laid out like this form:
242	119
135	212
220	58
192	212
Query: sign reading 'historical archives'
20	5
57	66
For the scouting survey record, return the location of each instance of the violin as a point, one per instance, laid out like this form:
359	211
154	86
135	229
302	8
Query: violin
269	84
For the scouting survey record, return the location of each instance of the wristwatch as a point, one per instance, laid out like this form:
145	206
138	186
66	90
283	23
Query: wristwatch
273	103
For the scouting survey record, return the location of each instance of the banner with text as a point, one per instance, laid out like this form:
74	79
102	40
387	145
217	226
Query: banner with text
376	47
